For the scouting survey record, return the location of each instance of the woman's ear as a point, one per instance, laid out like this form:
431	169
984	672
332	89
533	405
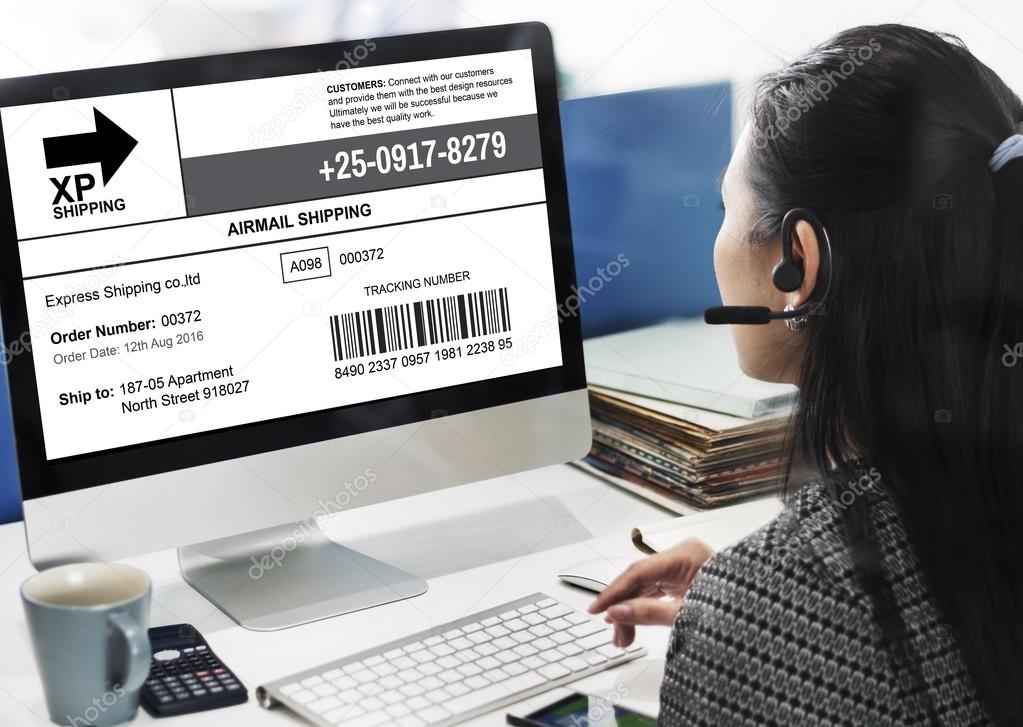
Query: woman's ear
807	252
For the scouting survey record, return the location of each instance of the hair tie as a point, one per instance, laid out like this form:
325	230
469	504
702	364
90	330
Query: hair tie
1006	152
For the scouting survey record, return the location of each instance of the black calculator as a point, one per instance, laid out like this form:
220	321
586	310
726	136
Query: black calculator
186	676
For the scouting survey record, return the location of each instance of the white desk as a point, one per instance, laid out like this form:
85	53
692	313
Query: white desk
478	545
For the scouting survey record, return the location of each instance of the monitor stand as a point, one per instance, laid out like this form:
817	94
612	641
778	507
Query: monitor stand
289	575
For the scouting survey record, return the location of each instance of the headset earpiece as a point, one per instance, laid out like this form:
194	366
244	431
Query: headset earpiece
788	274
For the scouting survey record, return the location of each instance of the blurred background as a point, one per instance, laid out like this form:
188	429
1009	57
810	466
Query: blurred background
654	93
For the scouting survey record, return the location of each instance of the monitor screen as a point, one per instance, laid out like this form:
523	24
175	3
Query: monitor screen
291	238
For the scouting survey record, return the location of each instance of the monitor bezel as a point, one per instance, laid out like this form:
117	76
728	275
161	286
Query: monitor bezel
41	478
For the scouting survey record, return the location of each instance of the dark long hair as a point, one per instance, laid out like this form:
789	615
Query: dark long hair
886	132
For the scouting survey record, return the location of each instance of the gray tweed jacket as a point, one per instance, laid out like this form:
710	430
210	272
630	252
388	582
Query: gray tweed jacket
776	630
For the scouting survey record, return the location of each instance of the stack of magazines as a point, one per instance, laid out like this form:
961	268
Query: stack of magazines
683	457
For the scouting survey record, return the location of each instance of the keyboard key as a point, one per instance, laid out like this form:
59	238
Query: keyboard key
312	681
556	611
437	696
433	714
506	657
403	662
460	643
397	710
533	619
553	671
448	662
303	697
492	621
487	649
392	654
488	662
496	632
574	663
585	629
495	675
371	704
411	690
450	676
324	705
528	608
441	650
546	603
371	719
569	649
525	650
594	640
453	634
516	624
290	689
429	669
508	615
410	721
476	682
611	652
332	674
431	683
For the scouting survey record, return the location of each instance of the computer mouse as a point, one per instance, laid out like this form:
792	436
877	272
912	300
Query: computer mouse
594	575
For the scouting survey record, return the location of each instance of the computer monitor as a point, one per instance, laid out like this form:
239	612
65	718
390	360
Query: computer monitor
242	292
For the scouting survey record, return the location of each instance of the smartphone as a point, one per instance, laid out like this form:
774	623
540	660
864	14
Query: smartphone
582	710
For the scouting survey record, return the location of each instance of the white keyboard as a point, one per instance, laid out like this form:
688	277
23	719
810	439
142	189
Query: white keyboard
456	671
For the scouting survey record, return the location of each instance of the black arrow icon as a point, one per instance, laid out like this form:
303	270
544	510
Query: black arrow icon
109	145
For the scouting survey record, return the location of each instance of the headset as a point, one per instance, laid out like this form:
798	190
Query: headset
786	276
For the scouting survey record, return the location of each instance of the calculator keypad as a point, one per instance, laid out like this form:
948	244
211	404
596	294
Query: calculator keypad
194	673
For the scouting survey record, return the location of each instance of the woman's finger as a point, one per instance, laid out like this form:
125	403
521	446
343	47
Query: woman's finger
624	635
644	611
641	576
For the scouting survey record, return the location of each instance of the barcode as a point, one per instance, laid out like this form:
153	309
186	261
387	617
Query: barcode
425	323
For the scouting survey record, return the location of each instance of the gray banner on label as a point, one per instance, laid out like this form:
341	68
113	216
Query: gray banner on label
280	175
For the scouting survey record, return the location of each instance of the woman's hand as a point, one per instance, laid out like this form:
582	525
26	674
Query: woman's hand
637	596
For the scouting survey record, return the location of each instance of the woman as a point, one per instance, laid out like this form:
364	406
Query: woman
890	589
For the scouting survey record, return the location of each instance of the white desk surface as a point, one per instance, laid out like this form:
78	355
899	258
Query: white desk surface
478	545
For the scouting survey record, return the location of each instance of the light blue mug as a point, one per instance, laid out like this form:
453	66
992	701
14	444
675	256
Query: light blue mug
88	623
